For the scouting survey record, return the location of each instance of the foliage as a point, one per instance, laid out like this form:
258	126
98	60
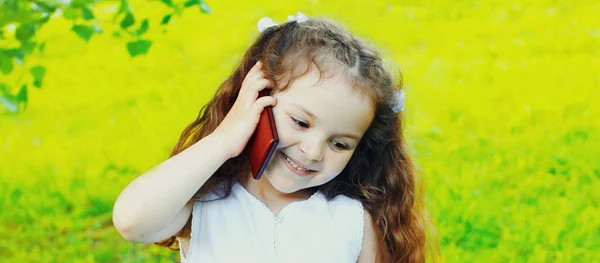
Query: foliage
20	21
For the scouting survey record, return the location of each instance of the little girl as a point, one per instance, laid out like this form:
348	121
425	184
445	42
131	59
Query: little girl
340	186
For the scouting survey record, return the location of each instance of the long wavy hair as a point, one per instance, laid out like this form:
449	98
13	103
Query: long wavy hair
380	173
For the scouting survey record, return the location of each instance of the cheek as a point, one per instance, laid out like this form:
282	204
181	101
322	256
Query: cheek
284	127
335	163
333	167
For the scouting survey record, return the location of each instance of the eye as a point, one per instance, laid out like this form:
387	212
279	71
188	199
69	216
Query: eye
340	145
300	123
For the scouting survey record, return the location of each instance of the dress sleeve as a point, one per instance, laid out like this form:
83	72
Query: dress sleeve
349	218
195	225
360	228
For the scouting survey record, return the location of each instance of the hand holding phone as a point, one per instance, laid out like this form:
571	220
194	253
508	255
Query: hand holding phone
241	121
263	142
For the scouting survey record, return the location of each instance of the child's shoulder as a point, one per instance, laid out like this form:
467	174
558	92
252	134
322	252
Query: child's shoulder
343	203
342	208
348	215
344	199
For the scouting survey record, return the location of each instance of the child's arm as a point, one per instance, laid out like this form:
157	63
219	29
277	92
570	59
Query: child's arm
156	205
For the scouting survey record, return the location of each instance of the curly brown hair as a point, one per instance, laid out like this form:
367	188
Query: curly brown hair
380	173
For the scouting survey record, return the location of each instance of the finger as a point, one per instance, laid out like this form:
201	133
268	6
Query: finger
255	87
259	85
250	77
255	73
261	103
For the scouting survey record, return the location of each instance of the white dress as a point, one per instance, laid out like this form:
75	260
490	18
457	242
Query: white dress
241	228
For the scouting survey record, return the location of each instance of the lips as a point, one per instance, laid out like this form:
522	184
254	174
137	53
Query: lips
294	166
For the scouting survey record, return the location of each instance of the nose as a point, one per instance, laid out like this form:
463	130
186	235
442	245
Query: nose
312	149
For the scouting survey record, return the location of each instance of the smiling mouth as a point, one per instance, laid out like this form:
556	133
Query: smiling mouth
294	166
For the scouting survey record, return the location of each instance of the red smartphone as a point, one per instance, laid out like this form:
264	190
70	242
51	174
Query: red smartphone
264	140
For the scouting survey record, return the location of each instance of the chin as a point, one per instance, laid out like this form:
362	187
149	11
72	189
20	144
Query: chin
282	184
282	179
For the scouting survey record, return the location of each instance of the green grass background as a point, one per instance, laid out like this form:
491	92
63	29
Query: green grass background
501	115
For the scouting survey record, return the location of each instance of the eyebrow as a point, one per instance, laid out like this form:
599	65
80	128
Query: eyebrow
351	136
310	114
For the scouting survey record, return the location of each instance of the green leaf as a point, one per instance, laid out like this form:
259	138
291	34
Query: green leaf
71	13
47	8
86	13
128	21
166	19
123	7
4	88
191	3
8	54
143	28
22	95
24	32
6	64
44	19
28	46
9	102
139	47
12	6
168	2
83	31
38	73
37	84
24	17
15	53
205	8
41	47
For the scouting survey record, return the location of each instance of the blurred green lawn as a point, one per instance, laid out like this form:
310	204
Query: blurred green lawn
502	118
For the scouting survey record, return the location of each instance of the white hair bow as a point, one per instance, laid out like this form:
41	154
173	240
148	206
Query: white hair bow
398	101
267	22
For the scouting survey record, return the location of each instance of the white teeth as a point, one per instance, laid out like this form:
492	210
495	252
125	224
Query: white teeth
292	163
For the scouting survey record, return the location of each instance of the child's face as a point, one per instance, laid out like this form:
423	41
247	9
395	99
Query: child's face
319	126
